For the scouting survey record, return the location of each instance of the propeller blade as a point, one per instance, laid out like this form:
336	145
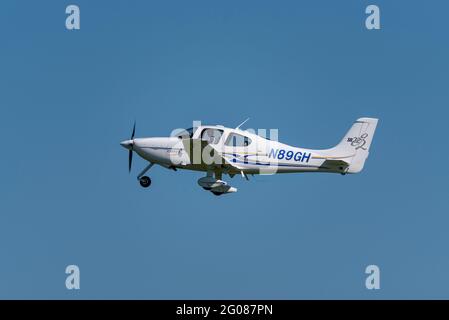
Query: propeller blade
134	130
130	156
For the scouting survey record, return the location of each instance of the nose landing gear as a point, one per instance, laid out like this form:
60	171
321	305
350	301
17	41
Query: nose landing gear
145	181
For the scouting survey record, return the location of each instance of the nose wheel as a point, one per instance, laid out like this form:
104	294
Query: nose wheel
145	181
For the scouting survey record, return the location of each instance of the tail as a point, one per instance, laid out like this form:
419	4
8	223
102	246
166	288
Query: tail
357	143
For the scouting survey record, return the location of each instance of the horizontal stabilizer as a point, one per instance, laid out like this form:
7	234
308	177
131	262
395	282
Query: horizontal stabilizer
335	165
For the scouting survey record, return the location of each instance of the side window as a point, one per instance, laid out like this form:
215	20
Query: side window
237	140
211	135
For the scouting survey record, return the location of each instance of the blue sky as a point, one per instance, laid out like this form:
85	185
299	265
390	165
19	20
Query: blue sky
308	68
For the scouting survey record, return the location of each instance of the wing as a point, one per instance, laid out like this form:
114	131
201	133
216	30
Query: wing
202	153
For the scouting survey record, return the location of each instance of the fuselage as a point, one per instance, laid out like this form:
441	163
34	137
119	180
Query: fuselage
218	150
244	152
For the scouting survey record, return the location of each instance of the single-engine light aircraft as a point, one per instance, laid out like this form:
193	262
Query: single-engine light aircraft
218	150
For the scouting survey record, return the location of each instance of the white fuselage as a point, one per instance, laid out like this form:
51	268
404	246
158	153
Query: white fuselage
218	150
260	155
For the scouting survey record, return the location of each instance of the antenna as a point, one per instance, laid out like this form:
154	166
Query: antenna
242	124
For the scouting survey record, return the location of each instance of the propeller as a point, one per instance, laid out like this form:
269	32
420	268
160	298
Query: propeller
129	144
130	156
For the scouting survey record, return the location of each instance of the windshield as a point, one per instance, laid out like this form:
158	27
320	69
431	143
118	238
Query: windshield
185	133
191	131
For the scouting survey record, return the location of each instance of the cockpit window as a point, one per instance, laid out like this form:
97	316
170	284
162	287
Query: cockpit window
237	140
212	135
191	131
186	133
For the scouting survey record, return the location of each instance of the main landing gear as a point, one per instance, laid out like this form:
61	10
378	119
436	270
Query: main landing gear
215	184
145	181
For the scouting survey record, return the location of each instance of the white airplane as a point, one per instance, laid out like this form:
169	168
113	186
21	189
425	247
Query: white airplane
218	150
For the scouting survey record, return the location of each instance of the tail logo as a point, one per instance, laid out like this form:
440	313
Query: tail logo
358	142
